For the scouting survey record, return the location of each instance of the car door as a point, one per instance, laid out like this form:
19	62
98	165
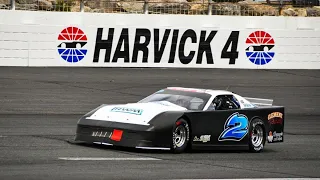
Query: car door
220	123
235	124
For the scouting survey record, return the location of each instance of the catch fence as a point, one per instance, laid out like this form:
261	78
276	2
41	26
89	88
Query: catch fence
187	7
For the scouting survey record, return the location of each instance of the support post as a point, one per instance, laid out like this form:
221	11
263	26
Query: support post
146	7
12	4
210	7
280	6
81	5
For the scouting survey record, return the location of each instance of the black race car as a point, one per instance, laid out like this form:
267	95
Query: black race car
176	118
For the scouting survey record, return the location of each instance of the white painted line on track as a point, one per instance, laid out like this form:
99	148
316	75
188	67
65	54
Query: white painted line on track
106	159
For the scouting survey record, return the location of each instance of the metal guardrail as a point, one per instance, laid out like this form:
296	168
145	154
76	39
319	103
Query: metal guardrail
191	7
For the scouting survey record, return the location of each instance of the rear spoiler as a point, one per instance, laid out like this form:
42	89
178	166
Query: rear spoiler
259	101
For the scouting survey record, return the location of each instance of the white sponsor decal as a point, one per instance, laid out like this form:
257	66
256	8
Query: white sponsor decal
127	110
275	136
101	134
203	138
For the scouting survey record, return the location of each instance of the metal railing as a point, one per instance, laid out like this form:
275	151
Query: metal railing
188	7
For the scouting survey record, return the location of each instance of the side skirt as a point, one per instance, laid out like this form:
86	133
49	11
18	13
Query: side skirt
219	147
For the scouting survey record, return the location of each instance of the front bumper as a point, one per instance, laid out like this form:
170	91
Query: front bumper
132	135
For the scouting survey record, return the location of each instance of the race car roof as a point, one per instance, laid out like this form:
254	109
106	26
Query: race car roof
199	90
214	93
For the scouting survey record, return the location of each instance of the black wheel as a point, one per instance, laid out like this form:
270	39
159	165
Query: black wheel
257	135
180	136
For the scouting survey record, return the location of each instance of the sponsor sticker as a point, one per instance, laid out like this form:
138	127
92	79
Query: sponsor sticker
127	110
275	136
203	138
275	118
101	134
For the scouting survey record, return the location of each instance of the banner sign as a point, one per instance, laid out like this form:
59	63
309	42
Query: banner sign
117	40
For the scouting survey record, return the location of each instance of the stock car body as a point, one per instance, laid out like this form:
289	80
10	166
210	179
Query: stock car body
178	118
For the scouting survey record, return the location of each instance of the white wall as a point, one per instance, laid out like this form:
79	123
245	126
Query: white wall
31	38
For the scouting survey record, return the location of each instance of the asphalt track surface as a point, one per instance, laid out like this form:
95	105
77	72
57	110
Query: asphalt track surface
39	109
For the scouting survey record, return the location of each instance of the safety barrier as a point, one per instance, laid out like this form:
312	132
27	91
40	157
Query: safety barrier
137	40
187	7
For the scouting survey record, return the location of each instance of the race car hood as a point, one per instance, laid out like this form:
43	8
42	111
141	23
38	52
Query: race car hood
134	113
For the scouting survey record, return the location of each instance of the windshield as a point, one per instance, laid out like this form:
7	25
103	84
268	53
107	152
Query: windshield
188	100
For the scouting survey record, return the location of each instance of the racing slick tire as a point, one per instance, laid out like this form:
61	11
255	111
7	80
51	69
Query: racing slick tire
180	136
257	135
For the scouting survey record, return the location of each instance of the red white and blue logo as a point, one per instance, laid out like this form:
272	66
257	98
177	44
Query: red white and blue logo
71	48
259	48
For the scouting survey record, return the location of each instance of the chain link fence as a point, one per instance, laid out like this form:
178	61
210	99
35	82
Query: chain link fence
189	7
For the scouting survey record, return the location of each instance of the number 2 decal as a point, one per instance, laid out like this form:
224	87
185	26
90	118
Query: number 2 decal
235	128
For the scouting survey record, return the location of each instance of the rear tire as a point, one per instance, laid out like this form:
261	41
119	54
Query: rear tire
257	136
180	136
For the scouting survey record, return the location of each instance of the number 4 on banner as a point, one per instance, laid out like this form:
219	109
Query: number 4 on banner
233	54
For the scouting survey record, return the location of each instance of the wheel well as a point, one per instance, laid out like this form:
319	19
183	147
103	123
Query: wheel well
190	130
185	118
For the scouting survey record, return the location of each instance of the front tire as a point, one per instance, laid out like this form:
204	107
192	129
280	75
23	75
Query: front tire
180	136
257	136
